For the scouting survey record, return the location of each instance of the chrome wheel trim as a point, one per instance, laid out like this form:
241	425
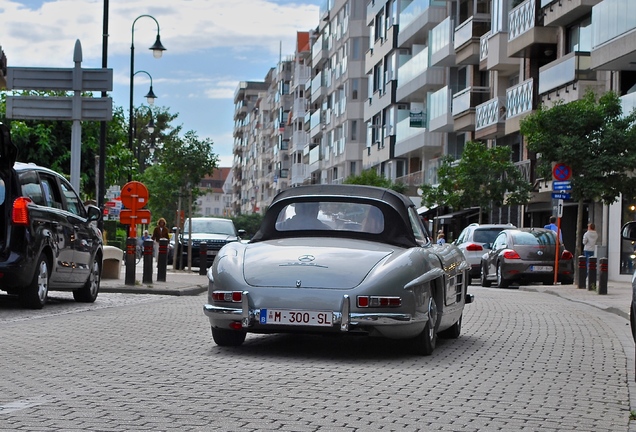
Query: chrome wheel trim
43	281
94	279
432	318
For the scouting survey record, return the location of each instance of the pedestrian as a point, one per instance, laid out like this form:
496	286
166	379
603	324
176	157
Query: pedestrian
589	242
160	232
146	236
553	226
440	238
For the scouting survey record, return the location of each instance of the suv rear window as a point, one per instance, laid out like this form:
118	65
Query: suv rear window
486	235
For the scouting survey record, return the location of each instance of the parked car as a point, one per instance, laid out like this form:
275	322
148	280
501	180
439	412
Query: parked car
628	232
306	272
215	232
49	239
525	255
475	240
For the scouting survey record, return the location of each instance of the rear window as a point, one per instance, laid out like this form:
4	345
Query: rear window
2	191
534	238
339	216
211	226
486	235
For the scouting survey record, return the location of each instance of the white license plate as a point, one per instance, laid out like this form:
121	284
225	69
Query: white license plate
296	317
541	268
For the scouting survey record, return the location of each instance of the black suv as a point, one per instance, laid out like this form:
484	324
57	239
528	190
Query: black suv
49	239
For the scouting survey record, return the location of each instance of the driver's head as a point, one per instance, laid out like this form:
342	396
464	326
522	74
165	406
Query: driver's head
307	209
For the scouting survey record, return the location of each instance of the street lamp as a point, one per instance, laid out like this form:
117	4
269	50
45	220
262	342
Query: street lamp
157	50
150	98
150	128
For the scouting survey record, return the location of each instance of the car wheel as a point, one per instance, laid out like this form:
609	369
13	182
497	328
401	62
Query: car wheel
484	281
224	337
34	295
501	281
453	331
88	293
567	282
424	343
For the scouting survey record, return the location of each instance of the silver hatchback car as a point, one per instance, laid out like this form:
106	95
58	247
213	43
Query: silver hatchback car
475	240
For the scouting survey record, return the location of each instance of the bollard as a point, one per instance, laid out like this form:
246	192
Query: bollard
591	275
176	255
203	258
162	259
602	281
582	272
148	248
131	249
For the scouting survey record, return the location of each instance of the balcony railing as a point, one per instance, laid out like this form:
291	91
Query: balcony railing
473	27
483	46
413	179
521	19
490	113
416	66
441	35
612	18
469	98
572	67
439	103
519	98
414	10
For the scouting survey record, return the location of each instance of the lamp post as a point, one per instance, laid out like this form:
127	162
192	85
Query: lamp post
157	50
150	98
150	128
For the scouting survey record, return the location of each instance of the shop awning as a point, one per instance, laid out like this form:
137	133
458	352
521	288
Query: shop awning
473	212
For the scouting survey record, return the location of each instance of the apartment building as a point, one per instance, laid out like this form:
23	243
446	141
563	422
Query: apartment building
440	73
211	202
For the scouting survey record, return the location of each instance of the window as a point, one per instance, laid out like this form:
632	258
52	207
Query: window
354	130
73	203
579	36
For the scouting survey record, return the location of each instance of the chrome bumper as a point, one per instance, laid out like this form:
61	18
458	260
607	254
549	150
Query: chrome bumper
344	318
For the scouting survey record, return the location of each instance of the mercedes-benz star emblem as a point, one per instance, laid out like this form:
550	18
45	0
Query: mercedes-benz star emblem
539	252
306	258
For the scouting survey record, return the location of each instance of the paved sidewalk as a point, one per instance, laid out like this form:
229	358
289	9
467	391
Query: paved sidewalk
178	283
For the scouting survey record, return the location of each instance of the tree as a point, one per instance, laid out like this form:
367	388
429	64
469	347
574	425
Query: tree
370	177
483	177
595	139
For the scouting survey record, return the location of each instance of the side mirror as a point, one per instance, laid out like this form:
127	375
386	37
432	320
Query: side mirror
629	231
242	232
94	213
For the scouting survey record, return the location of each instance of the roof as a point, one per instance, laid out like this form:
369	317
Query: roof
394	206
216	180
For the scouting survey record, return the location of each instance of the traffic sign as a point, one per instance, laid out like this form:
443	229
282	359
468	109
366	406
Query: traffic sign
130	217
561	172
561	185
561	196
134	195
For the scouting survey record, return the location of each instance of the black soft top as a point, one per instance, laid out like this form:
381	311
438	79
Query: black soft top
394	206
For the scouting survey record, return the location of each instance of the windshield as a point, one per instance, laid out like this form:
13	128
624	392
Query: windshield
486	235
210	226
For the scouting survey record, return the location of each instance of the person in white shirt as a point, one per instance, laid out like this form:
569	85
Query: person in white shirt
589	242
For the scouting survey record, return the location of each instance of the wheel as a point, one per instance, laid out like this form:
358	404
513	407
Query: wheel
424	343
224	337
34	295
567	282
484	281
88	293
453	331
501	282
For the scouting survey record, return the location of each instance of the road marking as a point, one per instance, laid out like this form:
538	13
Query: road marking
22	404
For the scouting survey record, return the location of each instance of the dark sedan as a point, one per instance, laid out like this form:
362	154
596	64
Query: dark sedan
524	255
629	233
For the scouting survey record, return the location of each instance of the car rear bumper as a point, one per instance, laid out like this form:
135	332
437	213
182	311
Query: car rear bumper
343	319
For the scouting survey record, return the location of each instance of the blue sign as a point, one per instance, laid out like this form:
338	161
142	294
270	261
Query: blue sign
561	195
561	185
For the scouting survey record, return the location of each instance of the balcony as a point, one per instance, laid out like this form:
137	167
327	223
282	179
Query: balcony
418	18
490	119
416	79
493	54
318	87
319	51
467	40
413	181
561	13
519	103
316	124
314	159
464	107
569	69
613	35
299	173
299	141
527	37
440	116
417	141
442	44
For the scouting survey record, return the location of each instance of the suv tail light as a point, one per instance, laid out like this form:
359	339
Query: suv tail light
567	255
20	214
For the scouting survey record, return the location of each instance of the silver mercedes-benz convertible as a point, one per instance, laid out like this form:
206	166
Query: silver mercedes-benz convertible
339	259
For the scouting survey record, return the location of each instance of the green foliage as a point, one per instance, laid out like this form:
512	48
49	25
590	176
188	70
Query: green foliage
249	222
593	138
483	177
370	177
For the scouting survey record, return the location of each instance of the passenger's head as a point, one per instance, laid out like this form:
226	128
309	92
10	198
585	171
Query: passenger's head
552	219
307	209
374	221
591	226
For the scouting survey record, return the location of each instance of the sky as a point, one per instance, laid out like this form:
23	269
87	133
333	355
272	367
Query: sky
211	45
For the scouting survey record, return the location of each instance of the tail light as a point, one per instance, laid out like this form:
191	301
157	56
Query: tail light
20	214
474	247
378	301
227	296
511	254
567	255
